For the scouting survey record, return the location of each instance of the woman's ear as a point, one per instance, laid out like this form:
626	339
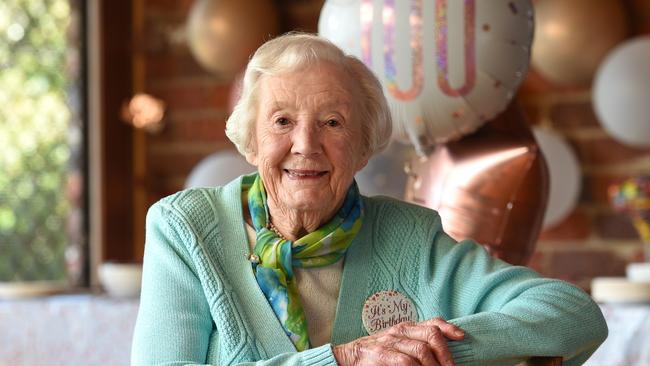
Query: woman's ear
251	157
363	161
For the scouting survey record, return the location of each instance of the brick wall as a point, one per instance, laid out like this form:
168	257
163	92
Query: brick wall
592	241
197	101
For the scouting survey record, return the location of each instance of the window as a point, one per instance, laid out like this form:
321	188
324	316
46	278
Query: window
42	141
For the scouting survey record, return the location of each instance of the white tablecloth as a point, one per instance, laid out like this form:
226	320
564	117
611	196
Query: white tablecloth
628	343
66	330
96	330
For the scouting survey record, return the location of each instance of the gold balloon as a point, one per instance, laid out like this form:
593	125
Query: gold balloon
573	36
222	34
491	186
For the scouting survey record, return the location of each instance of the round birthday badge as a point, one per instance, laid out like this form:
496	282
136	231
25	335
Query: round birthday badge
387	308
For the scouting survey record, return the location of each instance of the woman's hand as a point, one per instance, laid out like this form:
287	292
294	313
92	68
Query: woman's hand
406	343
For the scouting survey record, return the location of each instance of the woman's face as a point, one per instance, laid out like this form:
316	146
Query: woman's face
308	141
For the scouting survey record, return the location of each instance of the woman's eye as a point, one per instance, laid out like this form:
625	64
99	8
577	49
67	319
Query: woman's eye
282	121
332	122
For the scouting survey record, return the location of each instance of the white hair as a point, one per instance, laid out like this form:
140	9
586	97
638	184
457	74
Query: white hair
293	52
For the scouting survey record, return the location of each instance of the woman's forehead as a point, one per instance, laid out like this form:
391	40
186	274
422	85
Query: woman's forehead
307	86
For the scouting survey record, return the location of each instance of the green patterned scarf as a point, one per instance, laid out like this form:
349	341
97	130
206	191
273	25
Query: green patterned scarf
277	256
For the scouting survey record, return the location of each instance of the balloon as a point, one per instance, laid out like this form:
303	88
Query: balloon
572	37
218	169
491	186
222	34
446	66
621	93
564	170
384	174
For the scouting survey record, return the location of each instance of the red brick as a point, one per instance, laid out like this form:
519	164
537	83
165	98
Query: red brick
532	112
188	95
580	266
537	261
194	130
595	188
173	65
302	15
169	6
535	83
605	151
614	226
640	14
575	227
570	116
162	167
164	187
162	34
639	254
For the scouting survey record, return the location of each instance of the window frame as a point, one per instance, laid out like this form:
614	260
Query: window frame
113	146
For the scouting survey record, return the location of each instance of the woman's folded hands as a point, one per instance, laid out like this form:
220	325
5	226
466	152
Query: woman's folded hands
407	343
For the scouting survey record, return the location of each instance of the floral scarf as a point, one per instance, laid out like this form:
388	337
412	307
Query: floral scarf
277	256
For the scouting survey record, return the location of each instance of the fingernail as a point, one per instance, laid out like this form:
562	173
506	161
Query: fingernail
459	333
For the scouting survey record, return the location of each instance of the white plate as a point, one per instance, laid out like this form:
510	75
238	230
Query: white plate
619	290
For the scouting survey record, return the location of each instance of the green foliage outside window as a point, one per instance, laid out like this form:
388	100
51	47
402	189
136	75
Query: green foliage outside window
34	139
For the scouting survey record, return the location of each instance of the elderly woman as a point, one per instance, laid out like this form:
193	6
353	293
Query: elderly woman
292	266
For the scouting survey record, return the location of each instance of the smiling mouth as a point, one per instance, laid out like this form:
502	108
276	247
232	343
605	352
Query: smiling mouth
304	174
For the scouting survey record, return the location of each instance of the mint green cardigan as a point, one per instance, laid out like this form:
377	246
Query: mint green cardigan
200	303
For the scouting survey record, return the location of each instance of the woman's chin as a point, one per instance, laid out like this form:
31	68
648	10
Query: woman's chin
306	200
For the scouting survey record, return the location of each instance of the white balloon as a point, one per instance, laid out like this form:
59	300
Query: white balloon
621	93
384	174
446	66
218	169
565	176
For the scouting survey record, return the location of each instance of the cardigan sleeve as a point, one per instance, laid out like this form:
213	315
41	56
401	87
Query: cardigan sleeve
174	324
319	356
509	313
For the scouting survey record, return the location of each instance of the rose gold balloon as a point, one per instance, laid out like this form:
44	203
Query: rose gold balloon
491	186
573	36
222	34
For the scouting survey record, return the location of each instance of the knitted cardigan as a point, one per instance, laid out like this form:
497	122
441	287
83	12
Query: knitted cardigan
200	303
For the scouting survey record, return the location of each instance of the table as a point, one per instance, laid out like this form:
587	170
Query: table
97	330
628	343
66	330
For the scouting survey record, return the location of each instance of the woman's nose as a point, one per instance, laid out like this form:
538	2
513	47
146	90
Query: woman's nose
306	140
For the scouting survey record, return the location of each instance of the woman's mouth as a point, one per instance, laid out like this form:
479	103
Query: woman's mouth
304	174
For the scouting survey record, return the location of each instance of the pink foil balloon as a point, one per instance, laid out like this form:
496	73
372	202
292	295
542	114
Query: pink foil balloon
491	186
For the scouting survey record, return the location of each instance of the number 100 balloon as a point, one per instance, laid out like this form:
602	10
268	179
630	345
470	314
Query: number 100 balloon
446	66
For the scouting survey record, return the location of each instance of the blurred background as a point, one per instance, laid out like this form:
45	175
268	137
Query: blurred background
108	106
